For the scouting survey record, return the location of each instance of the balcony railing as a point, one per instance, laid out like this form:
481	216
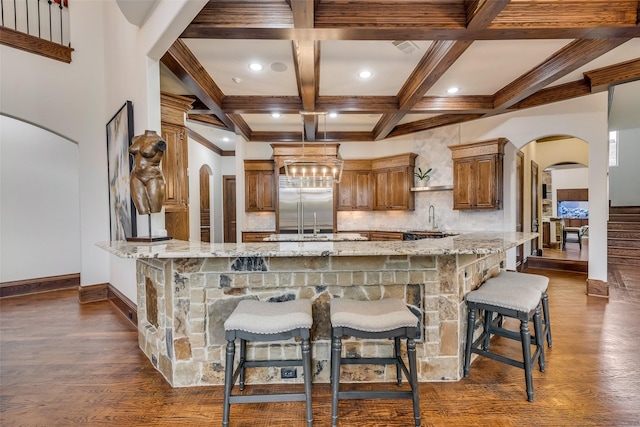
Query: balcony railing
37	26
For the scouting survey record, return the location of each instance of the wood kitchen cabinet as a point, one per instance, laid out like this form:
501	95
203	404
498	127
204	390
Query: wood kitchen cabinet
260	189
392	181
175	163
355	191
378	236
256	236
478	175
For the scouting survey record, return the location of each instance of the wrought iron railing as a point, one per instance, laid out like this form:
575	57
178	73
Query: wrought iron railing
46	19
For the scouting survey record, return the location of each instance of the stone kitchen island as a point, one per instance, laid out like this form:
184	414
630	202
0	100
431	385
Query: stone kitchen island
186	290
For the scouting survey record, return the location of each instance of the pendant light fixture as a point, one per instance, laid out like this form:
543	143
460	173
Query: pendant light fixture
311	171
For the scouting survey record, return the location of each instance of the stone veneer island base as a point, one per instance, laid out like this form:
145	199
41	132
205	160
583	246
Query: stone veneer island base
186	290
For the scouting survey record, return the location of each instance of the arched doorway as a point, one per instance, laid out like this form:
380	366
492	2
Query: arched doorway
558	171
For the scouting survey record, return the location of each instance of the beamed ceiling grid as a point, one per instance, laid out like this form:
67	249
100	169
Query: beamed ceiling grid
560	36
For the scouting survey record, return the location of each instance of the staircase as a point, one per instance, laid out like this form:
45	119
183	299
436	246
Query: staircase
623	235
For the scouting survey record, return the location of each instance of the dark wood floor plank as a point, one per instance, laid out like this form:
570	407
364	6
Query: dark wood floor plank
65	364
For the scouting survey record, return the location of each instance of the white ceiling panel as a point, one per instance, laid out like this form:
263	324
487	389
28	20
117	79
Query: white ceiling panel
225	60
342	61
485	66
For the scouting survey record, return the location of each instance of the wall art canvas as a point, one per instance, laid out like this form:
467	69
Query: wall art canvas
121	208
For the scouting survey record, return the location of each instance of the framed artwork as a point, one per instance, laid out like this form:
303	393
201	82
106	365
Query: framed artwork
121	208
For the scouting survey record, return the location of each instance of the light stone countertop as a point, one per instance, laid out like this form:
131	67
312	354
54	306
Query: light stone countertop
320	237
468	243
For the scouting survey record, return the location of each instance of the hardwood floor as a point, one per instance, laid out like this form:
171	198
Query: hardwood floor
64	364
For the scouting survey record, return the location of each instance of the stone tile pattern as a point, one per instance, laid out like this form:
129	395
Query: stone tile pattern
194	296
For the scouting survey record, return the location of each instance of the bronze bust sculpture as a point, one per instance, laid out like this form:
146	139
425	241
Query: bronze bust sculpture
147	181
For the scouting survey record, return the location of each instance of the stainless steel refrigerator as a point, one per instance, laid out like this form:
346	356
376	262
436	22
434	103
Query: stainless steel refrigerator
302	208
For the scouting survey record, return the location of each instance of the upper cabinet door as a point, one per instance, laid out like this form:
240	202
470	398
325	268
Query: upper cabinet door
260	193
462	184
486	176
478	175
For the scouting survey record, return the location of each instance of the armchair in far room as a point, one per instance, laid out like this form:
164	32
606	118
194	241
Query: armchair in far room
578	231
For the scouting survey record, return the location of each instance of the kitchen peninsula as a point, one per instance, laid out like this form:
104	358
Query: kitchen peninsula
186	290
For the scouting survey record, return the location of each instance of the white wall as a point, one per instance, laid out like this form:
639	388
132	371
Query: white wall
199	156
624	178
39	203
113	61
69	100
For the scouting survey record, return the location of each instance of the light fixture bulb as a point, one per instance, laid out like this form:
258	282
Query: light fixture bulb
453	90
365	74
275	115
255	66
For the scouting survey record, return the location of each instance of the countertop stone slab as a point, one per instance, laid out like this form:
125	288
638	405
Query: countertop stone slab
466	243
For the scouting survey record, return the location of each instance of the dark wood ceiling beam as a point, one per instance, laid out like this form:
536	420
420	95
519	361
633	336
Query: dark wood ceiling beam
569	58
262	136
245	14
350	33
262	104
207	119
306	55
481	14
186	67
357	104
271	136
303	13
386	124
556	93
431	123
435	62
443	104
602	78
549	14
241	126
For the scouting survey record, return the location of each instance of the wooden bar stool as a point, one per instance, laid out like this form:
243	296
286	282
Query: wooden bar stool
507	301
254	320
382	319
535	281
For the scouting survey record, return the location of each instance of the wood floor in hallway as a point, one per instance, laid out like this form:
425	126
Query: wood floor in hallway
65	364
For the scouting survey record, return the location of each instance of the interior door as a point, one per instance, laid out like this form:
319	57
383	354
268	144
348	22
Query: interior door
229	208
519	207
205	203
535	220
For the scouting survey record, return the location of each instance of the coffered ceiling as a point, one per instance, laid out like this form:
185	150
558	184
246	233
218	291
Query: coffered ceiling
503	55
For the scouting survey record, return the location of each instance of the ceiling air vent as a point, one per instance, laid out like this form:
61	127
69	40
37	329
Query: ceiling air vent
405	46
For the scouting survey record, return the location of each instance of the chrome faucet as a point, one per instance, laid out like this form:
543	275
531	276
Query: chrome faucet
432	217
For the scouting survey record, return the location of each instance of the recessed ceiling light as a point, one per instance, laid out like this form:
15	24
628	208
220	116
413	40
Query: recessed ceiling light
236	79
333	115
225	139
255	66
364	74
275	115
453	89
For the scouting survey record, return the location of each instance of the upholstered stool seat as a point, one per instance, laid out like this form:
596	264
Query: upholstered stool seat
382	319
535	281
506	300
254	320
